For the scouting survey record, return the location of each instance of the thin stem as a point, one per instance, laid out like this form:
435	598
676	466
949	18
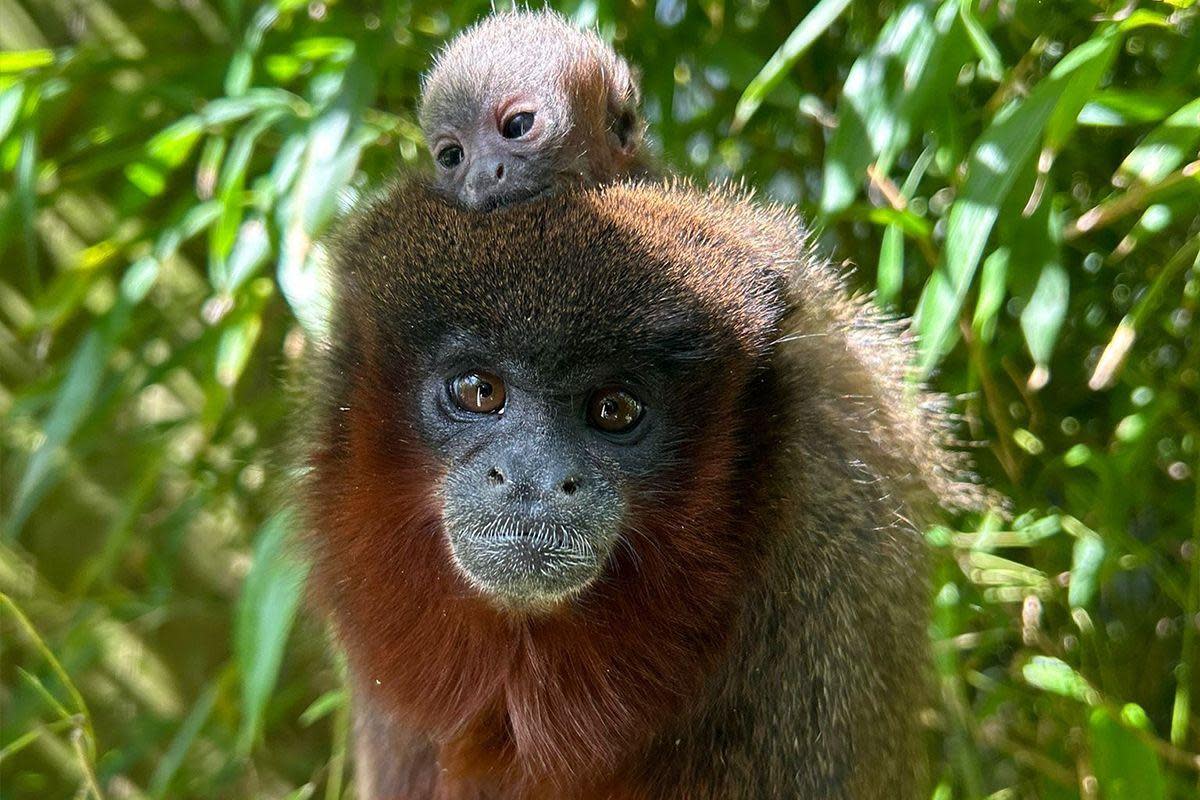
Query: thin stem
1181	711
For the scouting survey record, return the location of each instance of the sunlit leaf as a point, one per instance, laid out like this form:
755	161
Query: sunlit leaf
1036	246
1128	107
1087	557
891	267
265	613
21	60
11	98
915	59
1056	676
996	162
818	20
1163	149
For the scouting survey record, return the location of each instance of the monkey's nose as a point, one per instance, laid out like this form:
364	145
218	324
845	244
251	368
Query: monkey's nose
551	485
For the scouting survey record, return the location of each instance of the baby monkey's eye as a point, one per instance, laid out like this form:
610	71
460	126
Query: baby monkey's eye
450	156
478	391
517	125
613	410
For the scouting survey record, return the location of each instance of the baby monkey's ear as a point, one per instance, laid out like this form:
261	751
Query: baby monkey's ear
625	124
625	130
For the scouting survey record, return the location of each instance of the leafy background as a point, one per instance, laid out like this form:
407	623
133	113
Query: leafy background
1022	176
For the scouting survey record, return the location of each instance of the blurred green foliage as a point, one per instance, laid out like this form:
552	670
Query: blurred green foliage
1020	175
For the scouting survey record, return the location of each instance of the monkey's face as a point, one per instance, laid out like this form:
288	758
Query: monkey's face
539	465
550	423
567	389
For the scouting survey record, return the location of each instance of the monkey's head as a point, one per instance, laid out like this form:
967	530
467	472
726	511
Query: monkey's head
543	380
524	103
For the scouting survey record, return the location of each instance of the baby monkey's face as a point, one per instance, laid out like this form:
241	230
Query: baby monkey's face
523	104
490	152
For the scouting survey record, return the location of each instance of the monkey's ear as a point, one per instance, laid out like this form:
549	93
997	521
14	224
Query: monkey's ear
625	131
624	99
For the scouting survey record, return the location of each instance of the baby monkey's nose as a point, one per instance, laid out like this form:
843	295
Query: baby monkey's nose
484	182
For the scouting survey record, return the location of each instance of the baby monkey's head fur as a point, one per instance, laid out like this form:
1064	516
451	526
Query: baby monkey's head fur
525	103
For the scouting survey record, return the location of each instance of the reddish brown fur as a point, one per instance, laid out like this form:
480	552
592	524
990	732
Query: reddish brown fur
547	702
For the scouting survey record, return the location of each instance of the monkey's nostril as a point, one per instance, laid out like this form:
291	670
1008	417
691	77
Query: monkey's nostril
499	172
495	477
570	486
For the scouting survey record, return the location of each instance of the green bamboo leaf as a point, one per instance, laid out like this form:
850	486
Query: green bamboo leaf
250	249
76	395
1043	316
224	110
1163	149
890	276
18	61
332	148
1129	107
184	738
212	155
996	162
287	163
867	119
1126	767
1039	277
1145	18
1057	677
890	279
1087	556
1081	71
915	60
993	280
909	223
265	614
323	706
164	152
316	48
10	108
235	346
818	20
72	403
230	187
991	64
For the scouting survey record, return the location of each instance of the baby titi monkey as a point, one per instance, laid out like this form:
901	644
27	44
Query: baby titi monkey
525	103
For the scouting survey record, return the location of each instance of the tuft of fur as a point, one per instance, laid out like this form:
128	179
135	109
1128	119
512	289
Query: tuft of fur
587	89
761	634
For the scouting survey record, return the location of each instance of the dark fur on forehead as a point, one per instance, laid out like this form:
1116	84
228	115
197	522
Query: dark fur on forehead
515	50
612	273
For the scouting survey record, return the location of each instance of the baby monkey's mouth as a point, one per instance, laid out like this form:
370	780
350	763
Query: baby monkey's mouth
510	197
527	564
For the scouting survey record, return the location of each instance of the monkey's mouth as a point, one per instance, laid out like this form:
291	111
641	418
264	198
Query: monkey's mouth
526	564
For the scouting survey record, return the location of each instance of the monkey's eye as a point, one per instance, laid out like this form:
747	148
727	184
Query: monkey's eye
517	125
613	410
478	391
450	156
